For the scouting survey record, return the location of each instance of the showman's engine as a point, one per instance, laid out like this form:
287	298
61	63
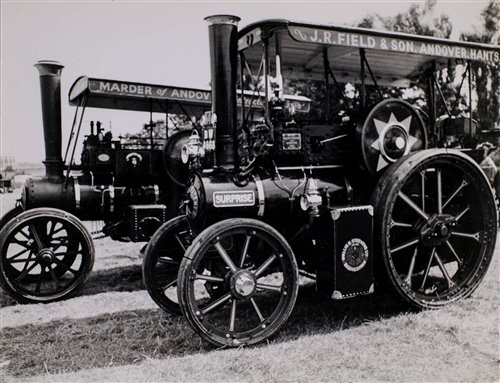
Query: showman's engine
127	188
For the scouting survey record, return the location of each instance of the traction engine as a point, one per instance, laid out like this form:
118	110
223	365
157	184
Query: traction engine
47	252
348	204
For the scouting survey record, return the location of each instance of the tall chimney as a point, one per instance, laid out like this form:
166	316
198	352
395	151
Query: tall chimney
50	86
223	32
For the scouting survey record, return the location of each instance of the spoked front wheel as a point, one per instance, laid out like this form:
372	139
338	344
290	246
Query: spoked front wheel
435	216
238	282
162	258
46	255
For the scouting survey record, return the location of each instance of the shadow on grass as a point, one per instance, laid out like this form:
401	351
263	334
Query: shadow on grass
132	336
126	278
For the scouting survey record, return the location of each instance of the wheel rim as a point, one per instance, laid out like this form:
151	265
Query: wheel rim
162	260
438	234
241	285
45	258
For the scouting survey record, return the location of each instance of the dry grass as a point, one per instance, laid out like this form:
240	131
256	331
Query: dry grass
366	339
126	278
130	337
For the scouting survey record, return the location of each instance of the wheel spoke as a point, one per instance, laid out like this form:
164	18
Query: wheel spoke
232	317
427	270
400	224
256	308
27	236
264	286
179	241
462	185
265	265
25	272
444	271
460	215
66	267
36	236
413	205
54	278
40	280
244	252
11	259
24	260
448	243
168	285
57	231
209	278
216	303
68	253
475	236
24	244
422	182
407	279
439	192
51	231
225	256
168	261
64	242
404	245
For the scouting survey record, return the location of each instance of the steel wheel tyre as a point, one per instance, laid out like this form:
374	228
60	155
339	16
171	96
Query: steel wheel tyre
46	255
162	259
238	282
10	215
435	216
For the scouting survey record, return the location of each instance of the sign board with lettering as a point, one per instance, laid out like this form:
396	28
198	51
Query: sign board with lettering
234	198
101	93
394	58
427	46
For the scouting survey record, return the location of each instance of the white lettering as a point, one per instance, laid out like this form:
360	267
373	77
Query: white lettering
104	86
223	199
342	38
327	37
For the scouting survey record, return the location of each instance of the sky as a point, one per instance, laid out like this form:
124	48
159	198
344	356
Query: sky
162	42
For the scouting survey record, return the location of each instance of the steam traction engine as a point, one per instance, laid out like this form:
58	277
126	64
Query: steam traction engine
348	195
46	251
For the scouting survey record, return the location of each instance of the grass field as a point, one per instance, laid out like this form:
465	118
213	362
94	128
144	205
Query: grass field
112	332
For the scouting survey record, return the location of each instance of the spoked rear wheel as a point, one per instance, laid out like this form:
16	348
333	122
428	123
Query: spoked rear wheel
238	282
46	255
435	216
162	259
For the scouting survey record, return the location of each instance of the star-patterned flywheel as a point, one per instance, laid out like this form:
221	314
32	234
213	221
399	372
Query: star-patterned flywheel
394	140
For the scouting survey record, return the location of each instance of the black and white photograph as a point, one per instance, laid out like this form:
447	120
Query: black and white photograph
249	191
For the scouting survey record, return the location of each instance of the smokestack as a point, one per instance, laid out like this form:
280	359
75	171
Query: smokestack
223	32
50	86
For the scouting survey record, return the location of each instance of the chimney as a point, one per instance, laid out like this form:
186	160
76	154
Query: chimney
50	86
223	33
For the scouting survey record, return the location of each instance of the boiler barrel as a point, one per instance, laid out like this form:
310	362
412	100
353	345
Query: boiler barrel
213	196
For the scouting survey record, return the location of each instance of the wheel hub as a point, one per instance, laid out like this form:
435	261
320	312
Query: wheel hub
46	256
437	229
394	140
243	284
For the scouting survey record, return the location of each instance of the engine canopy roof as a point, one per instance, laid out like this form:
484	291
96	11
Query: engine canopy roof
392	56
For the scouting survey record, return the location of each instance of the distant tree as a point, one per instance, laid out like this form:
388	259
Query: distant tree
158	131
419	19
487	76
